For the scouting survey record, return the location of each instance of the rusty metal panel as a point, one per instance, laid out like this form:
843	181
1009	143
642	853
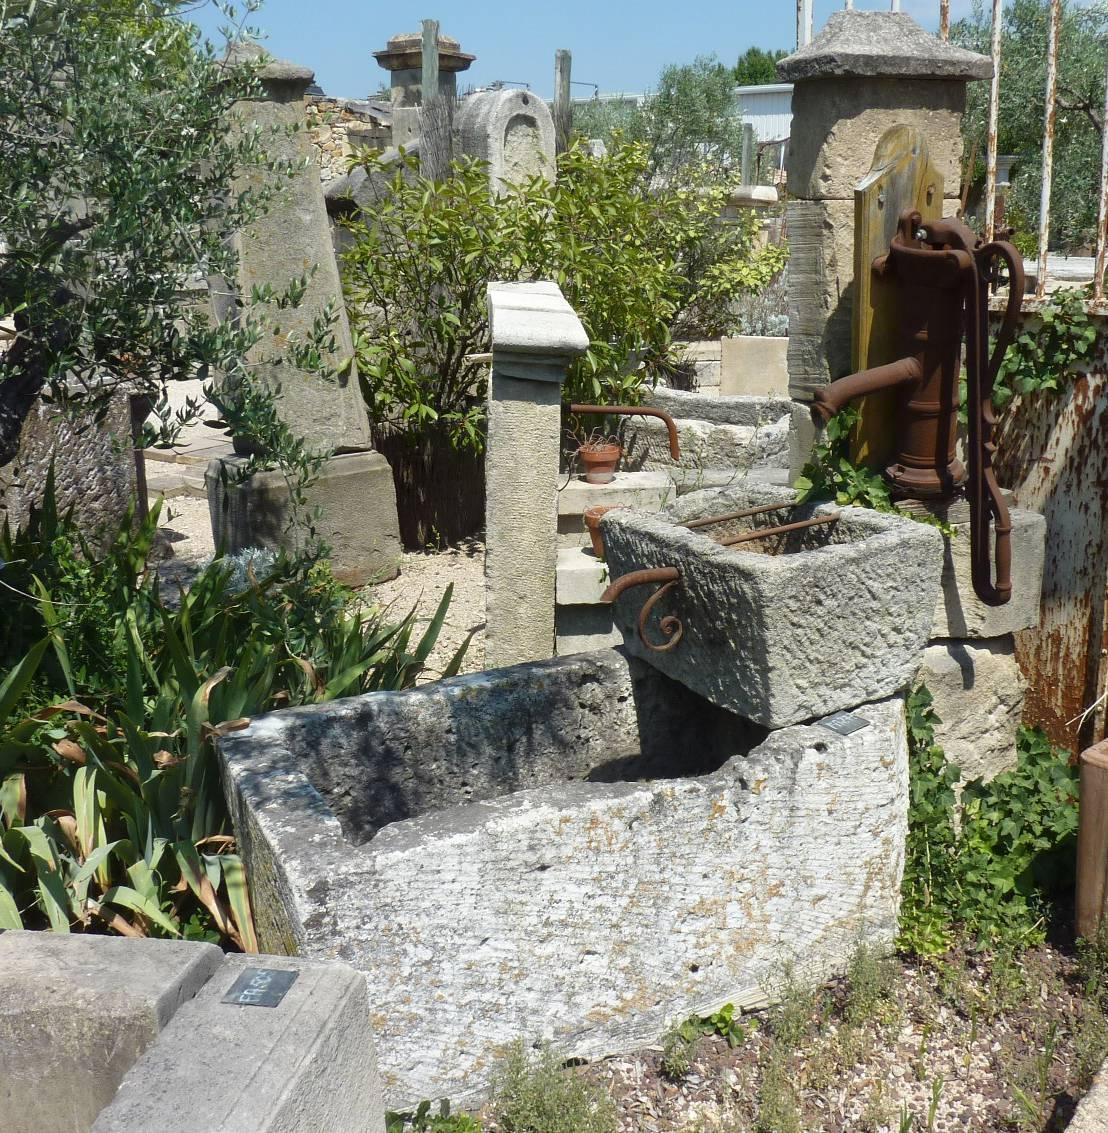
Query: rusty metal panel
1053	452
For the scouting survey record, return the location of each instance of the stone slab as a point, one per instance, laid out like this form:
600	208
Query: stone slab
592	913
583	629
304	1065
582	578
534	320
778	638
882	44
978	693
650	491
737	409
707	445
77	1011
1092	1111
754	366
356	501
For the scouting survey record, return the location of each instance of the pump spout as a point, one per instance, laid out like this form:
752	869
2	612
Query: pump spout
829	400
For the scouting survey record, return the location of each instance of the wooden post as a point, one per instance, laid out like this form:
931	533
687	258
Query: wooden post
437	113
748	154
563	110
1092	840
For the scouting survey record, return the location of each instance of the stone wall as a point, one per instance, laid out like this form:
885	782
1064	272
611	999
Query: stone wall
94	466
338	126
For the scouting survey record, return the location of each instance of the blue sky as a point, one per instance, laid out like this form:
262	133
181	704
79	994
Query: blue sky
621	45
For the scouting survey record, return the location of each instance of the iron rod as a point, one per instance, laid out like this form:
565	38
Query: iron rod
710	520
764	532
1048	142
1102	217
994	117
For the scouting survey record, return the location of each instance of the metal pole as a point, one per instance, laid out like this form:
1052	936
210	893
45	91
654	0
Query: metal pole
944	20
1102	222
563	109
994	116
1048	142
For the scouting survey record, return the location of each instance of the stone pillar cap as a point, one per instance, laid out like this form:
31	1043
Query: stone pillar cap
534	319
405	52
881	45
273	71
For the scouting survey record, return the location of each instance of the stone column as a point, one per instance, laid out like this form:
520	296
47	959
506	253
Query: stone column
866	71
535	334
354	491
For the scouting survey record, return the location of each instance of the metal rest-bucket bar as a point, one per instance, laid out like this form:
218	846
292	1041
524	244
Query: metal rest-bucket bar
782	529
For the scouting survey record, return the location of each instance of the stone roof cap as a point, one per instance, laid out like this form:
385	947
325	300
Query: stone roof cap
274	70
405	52
881	45
534	319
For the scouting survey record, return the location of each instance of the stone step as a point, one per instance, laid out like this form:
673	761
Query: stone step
648	491
581	577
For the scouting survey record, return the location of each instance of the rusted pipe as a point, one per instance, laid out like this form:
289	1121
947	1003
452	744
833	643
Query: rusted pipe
830	399
638	411
1092	840
781	529
639	578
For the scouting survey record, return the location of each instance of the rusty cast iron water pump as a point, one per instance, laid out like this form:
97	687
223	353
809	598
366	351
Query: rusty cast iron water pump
942	274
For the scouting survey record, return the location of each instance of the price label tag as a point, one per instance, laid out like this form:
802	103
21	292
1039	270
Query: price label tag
260	987
844	723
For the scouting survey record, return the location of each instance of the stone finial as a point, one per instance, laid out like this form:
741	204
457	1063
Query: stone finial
405	52
881	45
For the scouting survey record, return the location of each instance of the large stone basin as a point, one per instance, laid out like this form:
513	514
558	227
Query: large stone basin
785	629
578	850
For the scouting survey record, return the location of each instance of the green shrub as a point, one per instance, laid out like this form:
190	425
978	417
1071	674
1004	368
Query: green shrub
639	264
992	878
111	814
536	1095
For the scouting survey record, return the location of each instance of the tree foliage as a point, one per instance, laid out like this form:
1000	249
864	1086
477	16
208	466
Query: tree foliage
638	264
1083	44
117	170
756	67
689	119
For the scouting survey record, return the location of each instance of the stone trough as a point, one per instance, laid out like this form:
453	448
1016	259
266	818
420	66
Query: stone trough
785	628
579	850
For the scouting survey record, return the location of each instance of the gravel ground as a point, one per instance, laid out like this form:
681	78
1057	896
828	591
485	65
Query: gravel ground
964	1043
423	579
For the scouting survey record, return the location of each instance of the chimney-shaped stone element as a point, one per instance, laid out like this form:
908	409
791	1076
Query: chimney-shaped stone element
864	72
403	59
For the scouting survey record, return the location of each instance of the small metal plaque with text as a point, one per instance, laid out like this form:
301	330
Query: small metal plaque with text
844	723
260	987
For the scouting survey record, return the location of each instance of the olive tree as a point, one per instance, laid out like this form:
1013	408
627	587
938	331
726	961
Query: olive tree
117	169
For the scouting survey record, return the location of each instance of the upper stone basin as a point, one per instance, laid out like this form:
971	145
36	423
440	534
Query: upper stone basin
788	628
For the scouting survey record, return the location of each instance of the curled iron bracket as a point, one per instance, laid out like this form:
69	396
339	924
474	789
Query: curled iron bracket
670	625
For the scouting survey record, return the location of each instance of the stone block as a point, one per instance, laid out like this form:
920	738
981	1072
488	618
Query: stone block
582	629
355	498
605	854
76	1011
959	612
978	691
754	365
780	631
581	579
94	468
838	121
718	409
308	1064
648	491
512	130
1092	1111
706	445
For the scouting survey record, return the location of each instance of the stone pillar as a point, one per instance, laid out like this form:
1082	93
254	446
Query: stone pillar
535	334
865	72
354	489
403	59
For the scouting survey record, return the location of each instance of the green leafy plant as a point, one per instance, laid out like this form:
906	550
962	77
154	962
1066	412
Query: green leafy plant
537	1095
422	1120
111	814
989	880
1043	355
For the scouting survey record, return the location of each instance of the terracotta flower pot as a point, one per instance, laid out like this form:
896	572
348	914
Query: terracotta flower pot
600	462
592	522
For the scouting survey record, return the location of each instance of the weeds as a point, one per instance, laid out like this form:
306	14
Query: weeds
537	1095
